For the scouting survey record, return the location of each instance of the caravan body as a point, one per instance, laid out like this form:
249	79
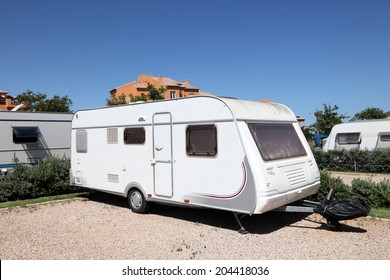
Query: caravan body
242	156
363	135
30	136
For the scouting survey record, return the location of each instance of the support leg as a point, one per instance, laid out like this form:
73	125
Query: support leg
242	230
333	225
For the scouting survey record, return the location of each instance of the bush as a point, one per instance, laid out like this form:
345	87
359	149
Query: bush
355	160
343	191
50	177
376	194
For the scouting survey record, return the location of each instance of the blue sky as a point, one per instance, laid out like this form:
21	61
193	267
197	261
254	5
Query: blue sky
299	53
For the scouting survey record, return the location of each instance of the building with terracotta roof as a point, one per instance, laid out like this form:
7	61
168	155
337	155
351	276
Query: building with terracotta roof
6	101
174	89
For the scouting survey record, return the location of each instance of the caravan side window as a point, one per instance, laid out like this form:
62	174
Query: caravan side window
385	137
81	141
134	135
383	141
25	134
348	140
201	140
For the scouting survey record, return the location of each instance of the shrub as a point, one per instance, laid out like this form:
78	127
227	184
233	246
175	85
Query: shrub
382	192
376	194
342	190
355	160
50	177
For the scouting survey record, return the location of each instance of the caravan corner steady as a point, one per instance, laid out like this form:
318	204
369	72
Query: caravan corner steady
242	156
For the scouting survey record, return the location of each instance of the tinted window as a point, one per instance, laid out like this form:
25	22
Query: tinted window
134	135
383	141
277	141
385	137
25	134
348	138
201	140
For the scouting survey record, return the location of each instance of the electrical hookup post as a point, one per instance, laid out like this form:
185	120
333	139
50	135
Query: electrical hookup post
195	269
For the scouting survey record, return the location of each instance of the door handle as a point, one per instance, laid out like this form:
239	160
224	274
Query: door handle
153	161
159	149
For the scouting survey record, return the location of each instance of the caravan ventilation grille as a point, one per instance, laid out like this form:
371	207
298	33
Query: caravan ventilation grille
112	135
113	178
296	176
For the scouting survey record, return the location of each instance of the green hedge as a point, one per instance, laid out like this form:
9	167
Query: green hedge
355	160
50	177
377	161
375	194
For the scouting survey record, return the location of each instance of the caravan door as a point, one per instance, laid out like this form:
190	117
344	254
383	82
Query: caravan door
162	154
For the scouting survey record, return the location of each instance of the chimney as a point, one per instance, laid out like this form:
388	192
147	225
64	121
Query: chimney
160	79
187	82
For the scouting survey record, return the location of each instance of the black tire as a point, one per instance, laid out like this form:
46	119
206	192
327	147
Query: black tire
137	202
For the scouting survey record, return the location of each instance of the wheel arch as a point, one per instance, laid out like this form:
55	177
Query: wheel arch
134	185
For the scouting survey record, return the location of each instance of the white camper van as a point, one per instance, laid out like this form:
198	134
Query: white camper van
241	156
364	135
30	137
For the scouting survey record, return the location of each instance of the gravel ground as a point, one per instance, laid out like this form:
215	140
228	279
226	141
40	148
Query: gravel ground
347	177
104	228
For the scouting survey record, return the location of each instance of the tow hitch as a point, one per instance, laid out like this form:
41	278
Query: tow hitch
331	209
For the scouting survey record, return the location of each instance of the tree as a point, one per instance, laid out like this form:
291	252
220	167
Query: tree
327	118
116	100
156	93
309	132
370	113
142	97
40	103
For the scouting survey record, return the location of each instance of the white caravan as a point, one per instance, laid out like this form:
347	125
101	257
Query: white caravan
364	135
30	137
242	156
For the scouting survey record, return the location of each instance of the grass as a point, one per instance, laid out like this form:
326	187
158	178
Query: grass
380	213
10	204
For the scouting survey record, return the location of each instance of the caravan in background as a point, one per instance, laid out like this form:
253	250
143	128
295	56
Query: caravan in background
30	136
363	135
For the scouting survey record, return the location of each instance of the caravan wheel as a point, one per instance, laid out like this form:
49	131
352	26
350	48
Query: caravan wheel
137	202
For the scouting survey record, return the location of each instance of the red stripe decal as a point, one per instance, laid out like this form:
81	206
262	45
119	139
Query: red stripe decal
238	192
